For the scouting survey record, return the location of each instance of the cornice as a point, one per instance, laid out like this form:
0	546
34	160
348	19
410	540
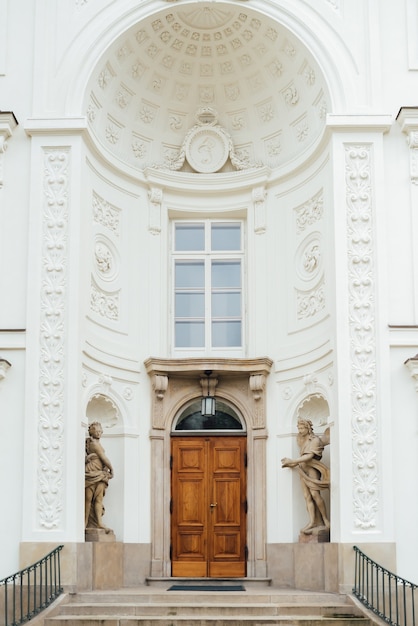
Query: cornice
55	126
211	183
359	123
187	366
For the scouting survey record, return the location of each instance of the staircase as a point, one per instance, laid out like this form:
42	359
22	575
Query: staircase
153	606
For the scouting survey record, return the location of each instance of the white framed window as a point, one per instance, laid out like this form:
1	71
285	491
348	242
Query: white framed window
208	299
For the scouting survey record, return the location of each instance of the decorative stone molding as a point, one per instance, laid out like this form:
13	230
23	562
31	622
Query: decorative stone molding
8	123
52	339
408	119
160	385
240	381
257	385
208	385
106	214
206	147
310	212
103	303
155	196
412	365
362	330
310	303
4	368
259	200
102	408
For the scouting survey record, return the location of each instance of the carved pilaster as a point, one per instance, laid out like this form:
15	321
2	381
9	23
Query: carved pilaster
52	339
362	330
8	123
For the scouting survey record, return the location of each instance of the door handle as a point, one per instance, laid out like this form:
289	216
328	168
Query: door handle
213	504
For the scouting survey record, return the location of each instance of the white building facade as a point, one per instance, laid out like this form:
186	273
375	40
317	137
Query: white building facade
209	190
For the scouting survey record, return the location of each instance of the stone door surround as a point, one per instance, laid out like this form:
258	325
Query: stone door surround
240	382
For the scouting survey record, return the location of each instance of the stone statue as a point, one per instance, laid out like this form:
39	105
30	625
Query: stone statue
314	475
98	472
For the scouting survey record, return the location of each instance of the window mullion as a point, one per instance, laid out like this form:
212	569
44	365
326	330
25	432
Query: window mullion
208	300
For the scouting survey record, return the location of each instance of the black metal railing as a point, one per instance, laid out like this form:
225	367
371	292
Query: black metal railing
28	592
391	597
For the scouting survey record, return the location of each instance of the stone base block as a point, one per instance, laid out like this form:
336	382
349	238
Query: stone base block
107	565
99	534
318	535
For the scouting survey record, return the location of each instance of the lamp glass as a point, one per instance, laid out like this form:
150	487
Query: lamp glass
208	406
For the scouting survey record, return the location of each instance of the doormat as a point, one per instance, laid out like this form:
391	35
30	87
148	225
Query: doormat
206	588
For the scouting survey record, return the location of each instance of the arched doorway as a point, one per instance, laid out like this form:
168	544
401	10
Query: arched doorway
208	503
241	392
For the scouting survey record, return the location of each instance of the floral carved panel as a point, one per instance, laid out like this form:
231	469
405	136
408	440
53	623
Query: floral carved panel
52	339
362	328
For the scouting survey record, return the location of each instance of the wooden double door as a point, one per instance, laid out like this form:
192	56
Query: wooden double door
208	506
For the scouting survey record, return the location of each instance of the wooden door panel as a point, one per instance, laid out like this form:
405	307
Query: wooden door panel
228	527
190	505
226	459
226	545
188	492
227	496
208	506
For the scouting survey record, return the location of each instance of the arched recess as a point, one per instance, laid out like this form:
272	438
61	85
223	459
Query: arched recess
241	383
315	408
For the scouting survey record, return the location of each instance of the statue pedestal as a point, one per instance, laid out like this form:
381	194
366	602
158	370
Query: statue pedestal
318	535
99	534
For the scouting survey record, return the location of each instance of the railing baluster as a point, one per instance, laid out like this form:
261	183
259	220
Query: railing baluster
372	583
40	589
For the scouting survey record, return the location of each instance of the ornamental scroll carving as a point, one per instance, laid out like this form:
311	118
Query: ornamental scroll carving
206	147
362	334
309	213
106	215
52	338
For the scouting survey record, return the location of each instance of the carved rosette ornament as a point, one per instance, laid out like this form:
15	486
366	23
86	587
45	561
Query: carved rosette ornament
362	334
52	339
206	147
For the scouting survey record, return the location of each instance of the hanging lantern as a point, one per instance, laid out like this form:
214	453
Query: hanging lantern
208	408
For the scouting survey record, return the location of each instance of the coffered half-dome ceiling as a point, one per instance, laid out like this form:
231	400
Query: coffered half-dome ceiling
239	69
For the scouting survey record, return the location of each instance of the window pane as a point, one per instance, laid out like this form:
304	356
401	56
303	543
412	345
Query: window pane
226	236
226	274
226	334
226	304
190	334
189	237
190	275
190	305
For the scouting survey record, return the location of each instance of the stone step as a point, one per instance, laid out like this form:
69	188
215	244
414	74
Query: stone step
205	620
266	606
196	608
144	596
